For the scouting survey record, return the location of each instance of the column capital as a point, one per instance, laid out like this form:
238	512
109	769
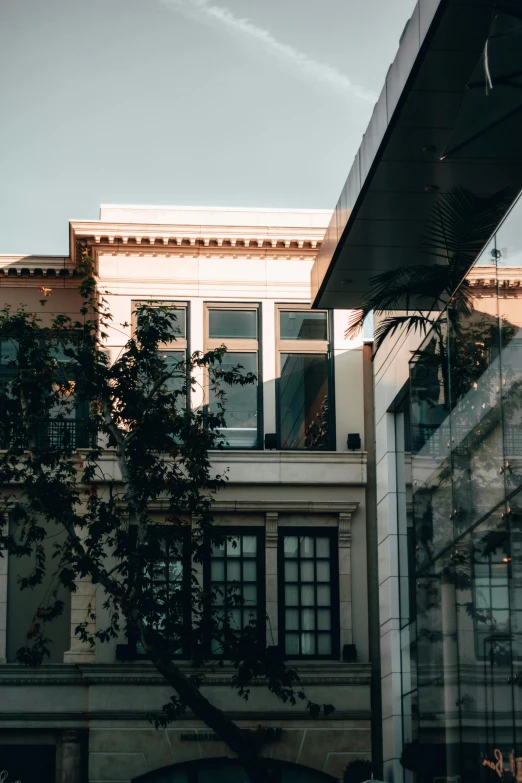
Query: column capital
271	518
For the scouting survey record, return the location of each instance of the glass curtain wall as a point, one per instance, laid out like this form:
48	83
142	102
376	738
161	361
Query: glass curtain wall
465	707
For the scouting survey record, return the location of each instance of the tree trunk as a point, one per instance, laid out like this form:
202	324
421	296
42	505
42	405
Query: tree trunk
244	744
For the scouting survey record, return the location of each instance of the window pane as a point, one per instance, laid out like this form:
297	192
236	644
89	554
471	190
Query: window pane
233	570
308	619
290	545
240	403
324	620
233	546
307	546
292	619
307	595
291	595
292	643
249	546
175	361
291	574
250	594
322	547
249	570
323	571
303	401
307	571
303	325
324	644
217	570
232	324
323	595
179	321
308	643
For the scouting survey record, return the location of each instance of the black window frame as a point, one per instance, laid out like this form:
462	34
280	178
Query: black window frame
240	346
229	531
130	650
179	304
318	532
299	347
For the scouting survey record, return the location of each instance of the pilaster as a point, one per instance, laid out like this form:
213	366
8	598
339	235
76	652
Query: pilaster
345	577
271	534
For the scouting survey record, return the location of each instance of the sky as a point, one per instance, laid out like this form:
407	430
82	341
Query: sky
244	103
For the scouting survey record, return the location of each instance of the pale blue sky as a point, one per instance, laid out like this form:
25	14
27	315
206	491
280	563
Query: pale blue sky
258	103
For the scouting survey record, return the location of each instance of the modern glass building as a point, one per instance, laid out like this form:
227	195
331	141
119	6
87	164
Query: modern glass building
447	412
461	609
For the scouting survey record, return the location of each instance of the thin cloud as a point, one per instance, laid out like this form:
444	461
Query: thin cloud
300	64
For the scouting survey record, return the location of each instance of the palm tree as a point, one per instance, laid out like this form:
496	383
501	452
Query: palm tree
458	228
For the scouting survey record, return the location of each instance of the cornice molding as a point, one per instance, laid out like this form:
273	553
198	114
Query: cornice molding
487	277
160	239
288	506
22	268
144	674
81	719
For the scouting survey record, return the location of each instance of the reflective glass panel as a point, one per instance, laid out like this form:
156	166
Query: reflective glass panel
240	405
303	325
303	401
232	324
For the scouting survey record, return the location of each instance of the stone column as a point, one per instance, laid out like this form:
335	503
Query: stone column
69	757
271	518
83	604
345	577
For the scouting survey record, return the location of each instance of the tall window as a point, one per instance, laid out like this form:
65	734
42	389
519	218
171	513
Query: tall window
66	425
304	404
175	352
308	593
237	327
235	575
170	613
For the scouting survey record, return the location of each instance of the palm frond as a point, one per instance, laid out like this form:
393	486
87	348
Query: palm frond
388	326
461	223
355	323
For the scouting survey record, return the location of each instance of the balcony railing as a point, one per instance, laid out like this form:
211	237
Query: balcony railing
57	434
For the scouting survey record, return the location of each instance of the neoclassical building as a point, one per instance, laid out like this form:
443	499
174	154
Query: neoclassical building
296	495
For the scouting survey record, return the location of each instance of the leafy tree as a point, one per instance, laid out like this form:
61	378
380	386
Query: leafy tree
459	226
136	407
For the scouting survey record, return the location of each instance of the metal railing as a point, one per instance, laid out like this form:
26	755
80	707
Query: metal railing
55	434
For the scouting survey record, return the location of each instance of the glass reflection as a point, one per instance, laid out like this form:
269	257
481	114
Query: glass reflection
241	429
303	401
303	325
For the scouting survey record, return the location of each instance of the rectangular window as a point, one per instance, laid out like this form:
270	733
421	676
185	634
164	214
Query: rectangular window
305	415
303	325
171	589
66	425
176	352
236	326
235	575
308	593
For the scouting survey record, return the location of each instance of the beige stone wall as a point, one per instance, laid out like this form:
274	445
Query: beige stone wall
121	753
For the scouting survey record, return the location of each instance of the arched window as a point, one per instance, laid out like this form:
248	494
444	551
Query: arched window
230	771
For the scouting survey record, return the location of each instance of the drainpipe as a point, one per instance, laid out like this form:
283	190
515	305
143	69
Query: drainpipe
372	558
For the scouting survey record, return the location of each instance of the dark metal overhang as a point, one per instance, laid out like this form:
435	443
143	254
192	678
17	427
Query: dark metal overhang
436	125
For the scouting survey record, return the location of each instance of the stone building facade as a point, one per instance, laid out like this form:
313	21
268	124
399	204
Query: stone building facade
85	715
